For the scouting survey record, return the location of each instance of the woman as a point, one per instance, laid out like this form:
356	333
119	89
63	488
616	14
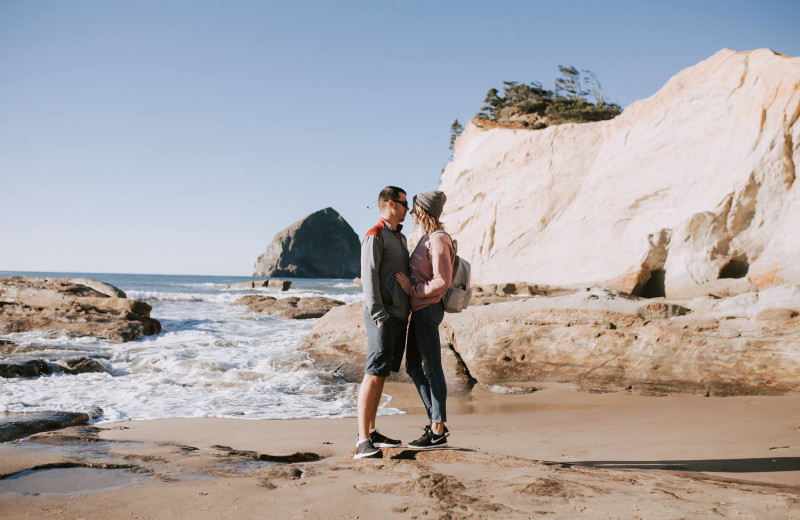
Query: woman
431	268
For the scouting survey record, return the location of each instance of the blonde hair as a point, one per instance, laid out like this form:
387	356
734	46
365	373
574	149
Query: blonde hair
428	222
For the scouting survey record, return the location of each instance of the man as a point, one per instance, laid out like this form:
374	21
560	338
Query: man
384	252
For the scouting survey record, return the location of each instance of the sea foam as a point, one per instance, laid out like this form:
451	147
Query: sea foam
212	359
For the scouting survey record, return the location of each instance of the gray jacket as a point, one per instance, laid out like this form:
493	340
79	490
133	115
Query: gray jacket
384	252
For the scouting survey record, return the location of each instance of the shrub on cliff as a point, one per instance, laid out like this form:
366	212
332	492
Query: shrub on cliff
578	97
579	111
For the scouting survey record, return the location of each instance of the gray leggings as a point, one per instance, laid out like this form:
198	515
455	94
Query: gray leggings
424	360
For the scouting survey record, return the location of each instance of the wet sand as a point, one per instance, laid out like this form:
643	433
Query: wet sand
556	452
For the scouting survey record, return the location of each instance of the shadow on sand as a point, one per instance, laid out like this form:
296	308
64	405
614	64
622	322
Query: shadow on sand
440	454
760	465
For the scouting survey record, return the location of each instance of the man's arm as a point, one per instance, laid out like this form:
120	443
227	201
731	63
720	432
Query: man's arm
371	253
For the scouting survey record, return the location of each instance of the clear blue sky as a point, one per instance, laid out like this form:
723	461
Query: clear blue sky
178	137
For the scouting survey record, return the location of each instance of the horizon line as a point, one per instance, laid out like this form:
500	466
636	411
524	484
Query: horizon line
108	272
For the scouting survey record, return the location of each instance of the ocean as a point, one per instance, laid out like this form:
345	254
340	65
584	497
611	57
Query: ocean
211	359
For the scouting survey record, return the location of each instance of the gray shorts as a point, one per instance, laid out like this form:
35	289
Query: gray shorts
385	345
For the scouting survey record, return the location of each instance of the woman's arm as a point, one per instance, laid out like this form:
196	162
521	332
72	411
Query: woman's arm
442	257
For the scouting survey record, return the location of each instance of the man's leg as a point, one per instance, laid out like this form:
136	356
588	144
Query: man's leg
376	402
369	396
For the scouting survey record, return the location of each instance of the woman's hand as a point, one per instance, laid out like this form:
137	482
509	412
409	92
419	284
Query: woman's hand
405	282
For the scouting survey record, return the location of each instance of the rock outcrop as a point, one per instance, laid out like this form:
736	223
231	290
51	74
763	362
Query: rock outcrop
292	308
689	187
39	367
605	340
73	306
496	293
338	344
15	425
270	283
321	245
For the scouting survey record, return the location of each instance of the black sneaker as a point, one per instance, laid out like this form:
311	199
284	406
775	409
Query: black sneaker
380	440
365	449
446	431
429	441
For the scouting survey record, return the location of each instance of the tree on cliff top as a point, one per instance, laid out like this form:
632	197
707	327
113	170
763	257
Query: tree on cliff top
578	97
455	131
569	84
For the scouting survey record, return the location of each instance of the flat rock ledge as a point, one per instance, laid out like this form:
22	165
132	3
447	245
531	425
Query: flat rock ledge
16	425
291	308
268	283
72	306
487	294
603	340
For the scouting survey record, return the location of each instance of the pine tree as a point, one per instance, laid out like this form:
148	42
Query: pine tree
594	88
493	105
569	84
455	131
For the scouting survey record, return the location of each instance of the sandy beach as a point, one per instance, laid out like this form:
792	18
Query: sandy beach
556	453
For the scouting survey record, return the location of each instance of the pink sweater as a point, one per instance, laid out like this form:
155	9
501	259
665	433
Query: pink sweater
431	268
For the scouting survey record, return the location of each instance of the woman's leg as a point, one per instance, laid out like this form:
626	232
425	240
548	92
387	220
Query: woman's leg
427	336
414	367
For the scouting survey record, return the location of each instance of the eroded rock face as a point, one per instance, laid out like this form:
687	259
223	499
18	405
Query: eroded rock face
77	307
321	245
605	340
692	185
292	308
612	351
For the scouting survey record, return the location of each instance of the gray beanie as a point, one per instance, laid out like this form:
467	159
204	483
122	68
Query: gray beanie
431	201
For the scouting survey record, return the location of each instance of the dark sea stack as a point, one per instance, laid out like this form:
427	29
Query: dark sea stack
73	306
321	245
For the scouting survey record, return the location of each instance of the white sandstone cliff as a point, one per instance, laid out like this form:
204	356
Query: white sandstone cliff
692	184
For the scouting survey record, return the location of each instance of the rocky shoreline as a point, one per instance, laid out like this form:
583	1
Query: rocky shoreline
551	451
76	307
511	335
73	306
603	340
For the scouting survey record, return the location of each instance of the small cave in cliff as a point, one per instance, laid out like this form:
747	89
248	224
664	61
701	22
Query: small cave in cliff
654	287
736	268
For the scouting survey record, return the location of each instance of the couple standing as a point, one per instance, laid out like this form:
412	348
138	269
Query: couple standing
390	295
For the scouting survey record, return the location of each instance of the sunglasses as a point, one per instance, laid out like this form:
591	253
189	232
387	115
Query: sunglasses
403	203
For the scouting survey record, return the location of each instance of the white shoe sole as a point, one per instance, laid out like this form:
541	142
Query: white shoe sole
387	445
365	455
